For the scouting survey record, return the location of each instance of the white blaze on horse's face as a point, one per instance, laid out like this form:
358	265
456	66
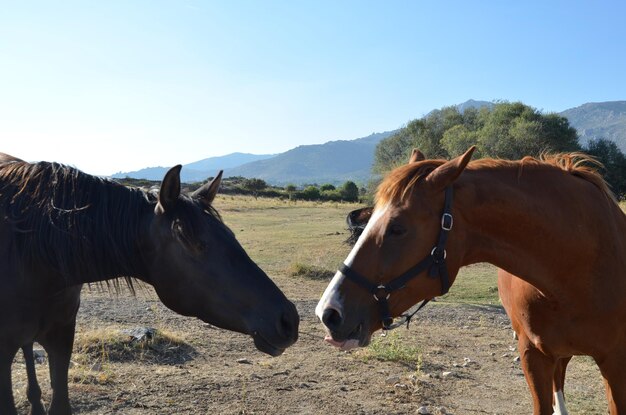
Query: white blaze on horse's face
331	298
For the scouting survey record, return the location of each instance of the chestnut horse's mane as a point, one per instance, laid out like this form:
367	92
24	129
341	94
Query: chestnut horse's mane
399	182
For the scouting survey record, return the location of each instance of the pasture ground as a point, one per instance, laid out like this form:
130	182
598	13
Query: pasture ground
199	369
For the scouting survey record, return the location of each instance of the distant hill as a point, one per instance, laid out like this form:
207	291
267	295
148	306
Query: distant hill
599	120
338	161
198	170
467	104
474	104
332	162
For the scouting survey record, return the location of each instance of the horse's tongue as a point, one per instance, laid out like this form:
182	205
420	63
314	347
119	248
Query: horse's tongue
344	345
330	340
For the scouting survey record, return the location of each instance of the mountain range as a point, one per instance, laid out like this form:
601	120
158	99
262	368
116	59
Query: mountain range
599	120
198	170
338	161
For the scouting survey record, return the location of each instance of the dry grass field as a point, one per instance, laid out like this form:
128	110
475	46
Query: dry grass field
459	356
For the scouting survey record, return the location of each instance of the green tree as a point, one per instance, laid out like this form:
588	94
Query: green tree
254	186
327	186
291	190
425	133
311	193
349	191
390	151
507	130
333	195
458	139
614	162
514	130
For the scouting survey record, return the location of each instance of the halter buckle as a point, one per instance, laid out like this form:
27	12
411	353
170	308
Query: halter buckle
447	221
438	258
381	288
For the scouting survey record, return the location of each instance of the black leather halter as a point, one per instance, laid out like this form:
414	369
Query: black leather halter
435	263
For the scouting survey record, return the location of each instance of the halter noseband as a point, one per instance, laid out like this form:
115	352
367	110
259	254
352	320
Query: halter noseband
435	263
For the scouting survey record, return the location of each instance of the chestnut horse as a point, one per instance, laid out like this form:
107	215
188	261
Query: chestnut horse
544	372
519	299
60	228
553	223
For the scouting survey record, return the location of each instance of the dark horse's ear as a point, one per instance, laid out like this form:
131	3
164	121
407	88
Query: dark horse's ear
170	190
359	217
448	172
207	192
416	156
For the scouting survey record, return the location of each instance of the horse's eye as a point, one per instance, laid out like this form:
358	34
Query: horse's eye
395	229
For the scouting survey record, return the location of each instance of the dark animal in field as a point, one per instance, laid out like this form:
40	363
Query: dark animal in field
552	222
60	228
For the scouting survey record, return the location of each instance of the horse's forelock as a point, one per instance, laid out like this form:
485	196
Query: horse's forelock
399	182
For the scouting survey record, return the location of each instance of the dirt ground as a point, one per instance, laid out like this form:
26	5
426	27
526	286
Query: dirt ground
475	344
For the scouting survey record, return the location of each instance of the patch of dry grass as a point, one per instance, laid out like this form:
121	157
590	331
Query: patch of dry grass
392	348
111	344
96	350
311	272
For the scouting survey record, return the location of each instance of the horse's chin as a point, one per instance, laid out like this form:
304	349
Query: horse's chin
359	337
266	347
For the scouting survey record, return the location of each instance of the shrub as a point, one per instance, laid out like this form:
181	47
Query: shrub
310	271
392	349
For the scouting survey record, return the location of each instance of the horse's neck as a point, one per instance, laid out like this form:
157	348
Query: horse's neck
114	249
548	233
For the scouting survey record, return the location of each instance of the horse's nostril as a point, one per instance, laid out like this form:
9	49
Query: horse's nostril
331	318
289	324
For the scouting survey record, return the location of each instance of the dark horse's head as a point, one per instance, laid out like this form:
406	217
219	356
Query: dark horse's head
69	227
198	268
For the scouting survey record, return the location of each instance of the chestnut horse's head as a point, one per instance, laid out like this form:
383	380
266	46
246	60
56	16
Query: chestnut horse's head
403	255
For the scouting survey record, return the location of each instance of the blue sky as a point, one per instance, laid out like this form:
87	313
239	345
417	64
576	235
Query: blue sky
120	85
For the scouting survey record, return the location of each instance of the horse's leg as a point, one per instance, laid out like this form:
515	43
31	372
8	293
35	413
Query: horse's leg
7	404
612	369
58	343
33	392
558	386
539	371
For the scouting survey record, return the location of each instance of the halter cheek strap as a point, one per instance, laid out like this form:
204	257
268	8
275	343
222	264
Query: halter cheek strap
435	263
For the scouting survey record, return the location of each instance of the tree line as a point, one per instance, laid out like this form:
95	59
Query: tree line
347	192
506	130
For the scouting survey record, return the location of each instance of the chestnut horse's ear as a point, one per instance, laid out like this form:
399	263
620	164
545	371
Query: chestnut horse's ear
170	190
207	192
448	172
416	156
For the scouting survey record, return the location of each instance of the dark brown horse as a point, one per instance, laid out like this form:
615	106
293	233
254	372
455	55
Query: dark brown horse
60	228
552	223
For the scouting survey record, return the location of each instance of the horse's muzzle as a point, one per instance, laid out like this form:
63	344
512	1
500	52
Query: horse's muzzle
273	339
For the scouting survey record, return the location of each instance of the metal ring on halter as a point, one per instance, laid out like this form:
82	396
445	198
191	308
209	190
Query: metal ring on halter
444	223
432	253
381	287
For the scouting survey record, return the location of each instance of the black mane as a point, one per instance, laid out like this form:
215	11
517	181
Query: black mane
75	223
